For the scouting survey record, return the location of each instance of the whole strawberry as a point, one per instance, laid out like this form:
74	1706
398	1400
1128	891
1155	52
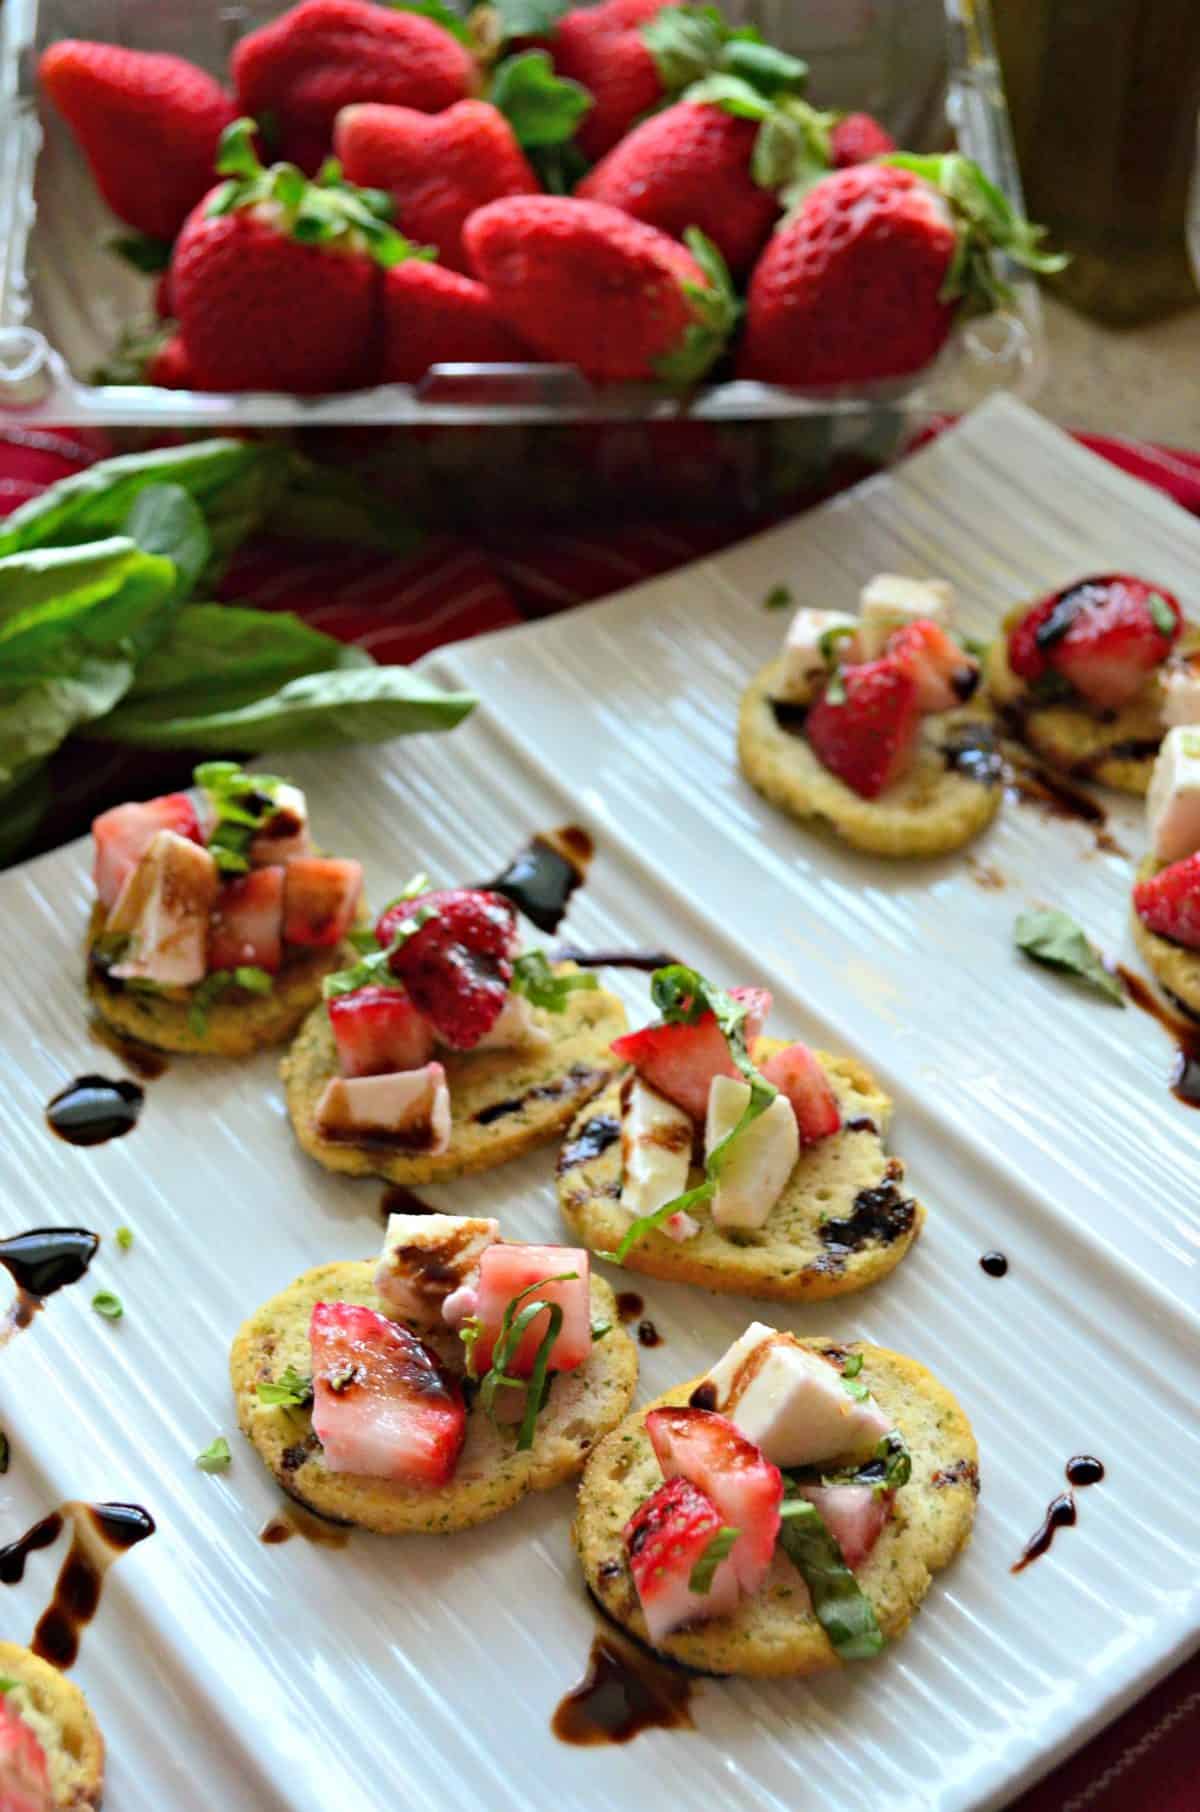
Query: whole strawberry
690	165
437	168
602	47
584	284
299	71
147	123
433	316
275	280
867	277
856	138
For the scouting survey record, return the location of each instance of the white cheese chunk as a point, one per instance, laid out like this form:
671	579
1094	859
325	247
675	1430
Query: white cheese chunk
890	601
792	1403
284	836
1181	692
760	1160
163	909
656	1149
515	1029
427	1257
1173	798
803	664
406	1108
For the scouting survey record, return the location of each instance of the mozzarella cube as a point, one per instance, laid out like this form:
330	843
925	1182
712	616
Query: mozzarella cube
1173	798
1181	693
426	1258
515	1029
792	1402
802	662
758	1164
656	1149
284	835
890	601
409	1109
163	909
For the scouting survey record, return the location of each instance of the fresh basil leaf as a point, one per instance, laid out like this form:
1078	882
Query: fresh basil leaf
840	1605
375	968
241	804
318	711
1054	939
36	718
1161	614
215	1457
541	107
718	1548
778	598
534	977
108	1304
683	996
233	481
166	520
438	12
324	503
124	1238
142	253
291	1391
59	605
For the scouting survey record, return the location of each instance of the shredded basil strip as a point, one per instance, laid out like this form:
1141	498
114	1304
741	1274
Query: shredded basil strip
1161	614
243	803
291	1391
701	1577
840	1605
683	996
778	598
512	1329
374	969
108	1304
534	977
215	1457
852	1365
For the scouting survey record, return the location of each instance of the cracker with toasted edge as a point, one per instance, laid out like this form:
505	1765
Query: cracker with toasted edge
786	1259
491	1475
775	1632
1087	744
937	807
61	1720
236	1025
503	1103
1174	967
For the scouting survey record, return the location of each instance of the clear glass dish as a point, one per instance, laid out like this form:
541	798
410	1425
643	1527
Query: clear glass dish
925	67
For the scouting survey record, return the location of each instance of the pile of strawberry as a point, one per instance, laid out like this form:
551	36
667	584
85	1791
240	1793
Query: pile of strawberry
409	222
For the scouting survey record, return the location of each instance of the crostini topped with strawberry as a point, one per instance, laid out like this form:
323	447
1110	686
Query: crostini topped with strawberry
784	1513
739	1162
1166	894
432	1390
445	1048
215	919
1090	677
866	723
51	1749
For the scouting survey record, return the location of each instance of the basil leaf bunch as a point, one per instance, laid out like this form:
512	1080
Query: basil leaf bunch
242	803
683	996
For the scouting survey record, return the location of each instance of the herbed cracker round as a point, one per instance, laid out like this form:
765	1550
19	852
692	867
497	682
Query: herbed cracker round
235	1026
503	1103
786	1259
491	1475
1078	741
1174	967
61	1719
775	1631
934	809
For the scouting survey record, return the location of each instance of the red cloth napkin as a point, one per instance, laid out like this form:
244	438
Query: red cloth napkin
398	608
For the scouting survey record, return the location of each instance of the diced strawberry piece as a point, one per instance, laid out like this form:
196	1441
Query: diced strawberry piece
504	1271
797	1074
1169	902
665	1538
868	738
24	1772
246	929
945	675
320	897
383	1405
716	1457
456	967
855	1515
680	1061
123	835
1100	635
379	1030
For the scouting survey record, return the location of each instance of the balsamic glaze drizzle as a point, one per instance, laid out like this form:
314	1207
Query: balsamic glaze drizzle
101	1533
93	1109
541	878
624	1691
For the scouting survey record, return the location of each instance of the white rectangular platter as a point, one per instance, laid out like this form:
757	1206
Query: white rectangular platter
1032	1117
